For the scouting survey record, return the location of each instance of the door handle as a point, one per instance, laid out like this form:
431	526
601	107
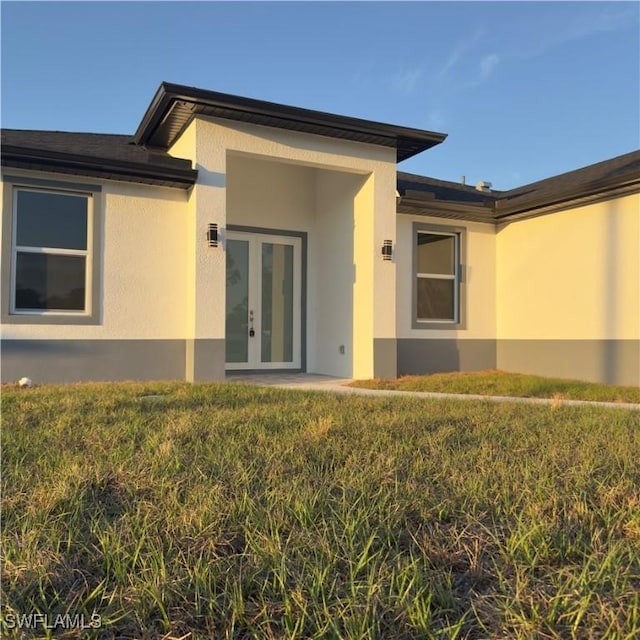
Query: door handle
252	332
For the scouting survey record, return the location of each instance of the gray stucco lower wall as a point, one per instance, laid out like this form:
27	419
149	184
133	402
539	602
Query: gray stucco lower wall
205	360
604	361
385	357
59	361
423	355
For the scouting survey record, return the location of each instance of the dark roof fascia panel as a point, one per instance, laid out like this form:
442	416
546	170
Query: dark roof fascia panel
417	182
156	112
451	214
503	212
418	196
471	207
174	106
614	178
616	169
38	159
601	189
576	200
475	212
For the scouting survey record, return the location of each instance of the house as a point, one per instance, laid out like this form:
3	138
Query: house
234	234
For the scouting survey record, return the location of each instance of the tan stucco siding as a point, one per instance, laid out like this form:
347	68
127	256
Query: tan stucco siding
571	275
145	262
331	274
142	265
275	195
479	273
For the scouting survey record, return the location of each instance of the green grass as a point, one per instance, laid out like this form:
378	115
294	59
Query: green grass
227	511
500	383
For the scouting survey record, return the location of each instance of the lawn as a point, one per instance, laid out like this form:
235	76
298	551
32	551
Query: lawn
500	383
228	511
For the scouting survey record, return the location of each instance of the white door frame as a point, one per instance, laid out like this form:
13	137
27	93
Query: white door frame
256	240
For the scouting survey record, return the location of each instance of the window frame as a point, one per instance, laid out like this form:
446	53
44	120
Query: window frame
90	315
459	287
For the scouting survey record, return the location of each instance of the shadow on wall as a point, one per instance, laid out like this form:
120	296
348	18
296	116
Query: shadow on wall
619	358
418	356
609	361
66	360
314	144
335	274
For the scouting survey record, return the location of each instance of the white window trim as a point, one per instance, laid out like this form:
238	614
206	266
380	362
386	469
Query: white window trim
441	276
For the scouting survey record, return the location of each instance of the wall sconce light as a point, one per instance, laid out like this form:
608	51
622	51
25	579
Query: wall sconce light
387	250
212	234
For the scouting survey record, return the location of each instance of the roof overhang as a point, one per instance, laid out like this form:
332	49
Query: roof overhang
501	210
48	160
614	178
429	205
507	209
175	106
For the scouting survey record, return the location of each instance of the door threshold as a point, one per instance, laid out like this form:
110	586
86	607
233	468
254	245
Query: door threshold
231	373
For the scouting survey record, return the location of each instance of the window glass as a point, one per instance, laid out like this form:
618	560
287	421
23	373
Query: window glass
53	220
436	254
50	282
436	299
237	301
277	303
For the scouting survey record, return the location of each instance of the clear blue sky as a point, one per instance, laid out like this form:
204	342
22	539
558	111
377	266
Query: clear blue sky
524	90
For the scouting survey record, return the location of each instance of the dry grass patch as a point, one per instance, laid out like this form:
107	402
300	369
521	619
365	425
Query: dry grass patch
500	383
227	511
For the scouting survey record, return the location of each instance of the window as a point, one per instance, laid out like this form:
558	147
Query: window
52	263
437	277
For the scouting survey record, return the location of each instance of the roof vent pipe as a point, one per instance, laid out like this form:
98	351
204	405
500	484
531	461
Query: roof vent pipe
464	180
483	186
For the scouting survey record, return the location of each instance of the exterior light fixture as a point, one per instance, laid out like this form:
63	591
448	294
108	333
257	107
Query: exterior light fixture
212	234
387	250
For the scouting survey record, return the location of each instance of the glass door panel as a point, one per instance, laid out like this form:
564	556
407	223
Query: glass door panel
277	303
237	301
263	301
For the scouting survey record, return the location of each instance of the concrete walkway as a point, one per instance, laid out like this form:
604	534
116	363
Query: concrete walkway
316	382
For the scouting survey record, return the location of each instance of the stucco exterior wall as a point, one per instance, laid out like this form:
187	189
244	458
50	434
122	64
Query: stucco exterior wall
267	194
572	274
328	205
185	147
295	197
470	347
263	194
479	272
142	269
568	293
160	281
139	329
331	274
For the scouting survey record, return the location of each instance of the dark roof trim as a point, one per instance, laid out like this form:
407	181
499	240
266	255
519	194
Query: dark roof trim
572	202
409	181
612	178
47	160
174	107
508	206
446	209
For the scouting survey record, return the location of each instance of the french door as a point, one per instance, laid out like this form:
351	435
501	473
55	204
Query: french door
263	301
